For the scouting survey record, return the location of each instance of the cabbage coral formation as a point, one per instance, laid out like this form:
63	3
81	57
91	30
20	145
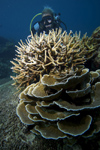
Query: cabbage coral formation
62	97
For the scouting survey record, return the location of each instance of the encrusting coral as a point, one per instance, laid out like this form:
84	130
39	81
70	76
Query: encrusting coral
61	97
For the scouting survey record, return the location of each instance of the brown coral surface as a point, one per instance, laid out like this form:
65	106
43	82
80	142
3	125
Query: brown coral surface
59	109
61	98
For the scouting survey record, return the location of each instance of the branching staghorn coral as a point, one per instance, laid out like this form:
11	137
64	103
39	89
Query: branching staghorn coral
55	52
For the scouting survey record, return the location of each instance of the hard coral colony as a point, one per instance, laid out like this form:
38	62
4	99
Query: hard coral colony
61	97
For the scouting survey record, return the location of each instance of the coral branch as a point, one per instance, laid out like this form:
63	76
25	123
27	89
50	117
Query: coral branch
50	53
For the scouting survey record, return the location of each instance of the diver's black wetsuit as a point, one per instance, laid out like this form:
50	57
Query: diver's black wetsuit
42	27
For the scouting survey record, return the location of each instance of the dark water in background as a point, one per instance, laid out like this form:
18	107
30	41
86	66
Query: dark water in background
15	15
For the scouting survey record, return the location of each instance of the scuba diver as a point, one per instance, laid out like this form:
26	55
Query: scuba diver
49	21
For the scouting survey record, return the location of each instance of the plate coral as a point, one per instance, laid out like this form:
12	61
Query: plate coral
59	97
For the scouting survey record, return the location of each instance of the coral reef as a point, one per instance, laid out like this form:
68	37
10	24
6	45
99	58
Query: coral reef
15	135
56	52
94	62
60	97
96	37
61	107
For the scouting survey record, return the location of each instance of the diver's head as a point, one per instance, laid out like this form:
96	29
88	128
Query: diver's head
47	11
47	17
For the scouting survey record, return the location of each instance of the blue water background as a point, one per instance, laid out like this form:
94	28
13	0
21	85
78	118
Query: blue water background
79	15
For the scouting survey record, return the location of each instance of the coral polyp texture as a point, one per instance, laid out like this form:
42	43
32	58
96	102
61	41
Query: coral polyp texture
56	53
61	97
